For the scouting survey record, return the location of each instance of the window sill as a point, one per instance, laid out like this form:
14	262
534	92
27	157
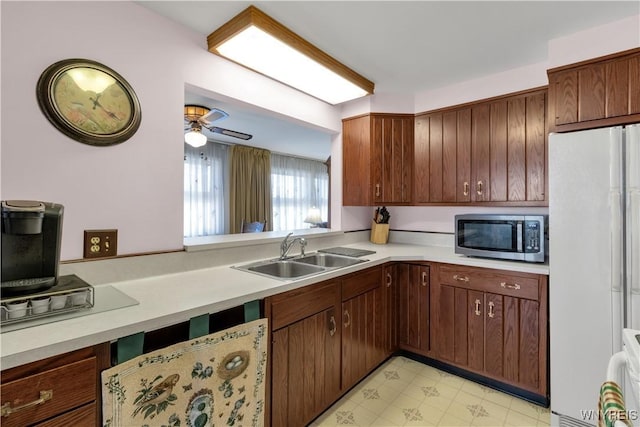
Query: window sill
194	244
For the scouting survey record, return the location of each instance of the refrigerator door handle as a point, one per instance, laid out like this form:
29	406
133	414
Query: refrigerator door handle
615	204
633	246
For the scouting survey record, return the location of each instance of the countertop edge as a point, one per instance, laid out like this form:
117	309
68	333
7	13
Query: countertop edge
104	327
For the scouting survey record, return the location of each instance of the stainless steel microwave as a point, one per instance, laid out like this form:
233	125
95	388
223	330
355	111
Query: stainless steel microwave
509	237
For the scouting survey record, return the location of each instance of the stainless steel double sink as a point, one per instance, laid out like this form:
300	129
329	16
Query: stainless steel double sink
298	267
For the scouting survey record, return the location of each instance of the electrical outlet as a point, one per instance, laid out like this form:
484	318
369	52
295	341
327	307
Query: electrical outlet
100	243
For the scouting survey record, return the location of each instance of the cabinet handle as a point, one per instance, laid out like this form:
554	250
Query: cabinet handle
389	280
461	278
465	188
479	188
506	285
334	328
377	190
44	396
424	278
348	316
477	310
491	310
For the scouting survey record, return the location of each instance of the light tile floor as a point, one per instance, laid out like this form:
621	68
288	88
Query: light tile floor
403	392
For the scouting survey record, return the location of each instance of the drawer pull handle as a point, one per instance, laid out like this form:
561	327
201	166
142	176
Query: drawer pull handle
388	280
424	278
477	310
479	188
334	328
465	189
44	396
377	190
491	313
348	321
506	285
461	278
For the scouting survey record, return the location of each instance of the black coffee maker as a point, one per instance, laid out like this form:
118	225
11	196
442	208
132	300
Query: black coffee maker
31	238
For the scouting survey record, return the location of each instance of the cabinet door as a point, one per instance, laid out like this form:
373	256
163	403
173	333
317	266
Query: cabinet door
392	158
414	306
509	144
363	335
605	89
564	87
443	157
476	316
391	308
481	153
494	337
356	157
450	328
306	369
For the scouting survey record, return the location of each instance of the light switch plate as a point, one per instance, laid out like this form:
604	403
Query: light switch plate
100	243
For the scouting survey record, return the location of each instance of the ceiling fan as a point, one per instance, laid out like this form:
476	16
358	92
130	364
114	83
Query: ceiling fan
197	117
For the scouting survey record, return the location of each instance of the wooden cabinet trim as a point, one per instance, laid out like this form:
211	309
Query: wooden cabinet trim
587	62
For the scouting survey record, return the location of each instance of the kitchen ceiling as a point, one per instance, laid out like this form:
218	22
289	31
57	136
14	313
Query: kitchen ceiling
412	46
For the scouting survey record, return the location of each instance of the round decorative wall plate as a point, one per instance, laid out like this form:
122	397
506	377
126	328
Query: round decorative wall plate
88	102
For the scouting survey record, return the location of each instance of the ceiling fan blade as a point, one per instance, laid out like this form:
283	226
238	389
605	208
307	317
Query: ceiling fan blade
213	116
228	132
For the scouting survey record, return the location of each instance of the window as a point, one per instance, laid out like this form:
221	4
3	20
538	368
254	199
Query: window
297	185
205	194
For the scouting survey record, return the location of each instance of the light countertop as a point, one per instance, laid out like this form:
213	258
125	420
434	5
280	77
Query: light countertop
173	298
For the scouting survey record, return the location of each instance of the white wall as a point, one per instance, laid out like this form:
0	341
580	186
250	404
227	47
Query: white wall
136	186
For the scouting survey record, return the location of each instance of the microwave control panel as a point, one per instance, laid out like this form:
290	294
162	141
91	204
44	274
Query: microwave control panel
532	236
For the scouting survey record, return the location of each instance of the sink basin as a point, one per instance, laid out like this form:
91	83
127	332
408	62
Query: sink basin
298	267
286	269
329	260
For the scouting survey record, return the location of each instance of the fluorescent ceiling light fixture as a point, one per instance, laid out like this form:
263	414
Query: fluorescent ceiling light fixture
260	43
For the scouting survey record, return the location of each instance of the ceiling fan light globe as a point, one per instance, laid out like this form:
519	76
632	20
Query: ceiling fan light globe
195	139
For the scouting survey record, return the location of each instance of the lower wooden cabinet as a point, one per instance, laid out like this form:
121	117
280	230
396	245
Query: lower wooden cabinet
305	352
363	318
328	336
59	391
325	338
413	307
491	322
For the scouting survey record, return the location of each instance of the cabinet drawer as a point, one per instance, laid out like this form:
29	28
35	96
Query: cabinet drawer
295	305
361	282
501	282
81	417
71	386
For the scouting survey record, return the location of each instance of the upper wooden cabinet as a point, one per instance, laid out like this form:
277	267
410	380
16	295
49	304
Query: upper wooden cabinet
442	153
487	152
377	159
600	92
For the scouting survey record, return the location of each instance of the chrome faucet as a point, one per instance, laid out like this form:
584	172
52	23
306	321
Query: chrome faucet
286	245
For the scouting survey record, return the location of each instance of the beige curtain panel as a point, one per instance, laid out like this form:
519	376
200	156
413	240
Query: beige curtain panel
250	192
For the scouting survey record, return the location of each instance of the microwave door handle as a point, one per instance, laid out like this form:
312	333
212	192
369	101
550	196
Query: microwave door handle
519	236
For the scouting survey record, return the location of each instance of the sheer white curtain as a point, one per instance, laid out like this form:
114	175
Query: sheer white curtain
297	185
205	192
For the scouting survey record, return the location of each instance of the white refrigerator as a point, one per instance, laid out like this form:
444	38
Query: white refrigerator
594	262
